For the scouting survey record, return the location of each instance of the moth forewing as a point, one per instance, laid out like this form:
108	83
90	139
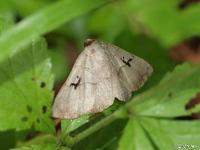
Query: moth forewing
101	73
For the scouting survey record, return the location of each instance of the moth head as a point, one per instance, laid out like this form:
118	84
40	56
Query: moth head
88	42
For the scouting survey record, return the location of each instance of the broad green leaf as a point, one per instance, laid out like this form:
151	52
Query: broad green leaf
40	147
134	137
44	21
70	125
164	20
173	132
25	87
5	25
158	135
170	96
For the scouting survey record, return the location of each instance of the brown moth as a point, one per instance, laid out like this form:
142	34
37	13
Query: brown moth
101	73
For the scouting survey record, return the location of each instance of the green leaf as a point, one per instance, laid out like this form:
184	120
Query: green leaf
5	25
134	137
40	147
170	96
70	125
172	133
164	20
158	135
25	87
42	22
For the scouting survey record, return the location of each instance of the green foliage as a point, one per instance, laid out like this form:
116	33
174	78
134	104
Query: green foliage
134	137
164	19
6	10
5	137
25	8
69	125
155	118
39	23
26	83
112	18
172	94
39	147
157	108
175	132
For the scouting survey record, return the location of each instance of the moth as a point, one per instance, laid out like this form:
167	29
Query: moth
101	73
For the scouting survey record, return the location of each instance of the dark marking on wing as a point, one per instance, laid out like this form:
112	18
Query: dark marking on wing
29	108
77	83
126	62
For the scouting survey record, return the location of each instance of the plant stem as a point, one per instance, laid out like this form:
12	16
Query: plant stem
69	141
42	138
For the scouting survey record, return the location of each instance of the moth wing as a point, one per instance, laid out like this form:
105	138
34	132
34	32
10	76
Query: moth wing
132	70
67	101
103	77
97	89
108	86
